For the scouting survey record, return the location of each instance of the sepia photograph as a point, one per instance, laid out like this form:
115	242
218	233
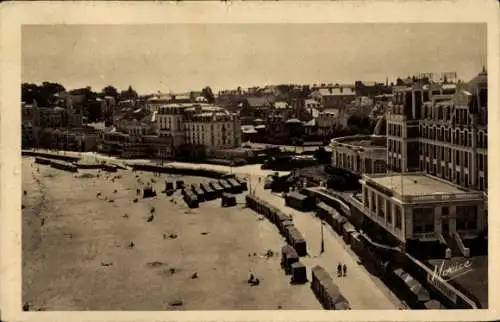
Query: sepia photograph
254	166
316	179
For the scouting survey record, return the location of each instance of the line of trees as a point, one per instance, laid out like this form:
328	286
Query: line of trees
45	96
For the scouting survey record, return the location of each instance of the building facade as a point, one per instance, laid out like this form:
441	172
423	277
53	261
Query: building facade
199	124
334	96
420	207
441	129
360	153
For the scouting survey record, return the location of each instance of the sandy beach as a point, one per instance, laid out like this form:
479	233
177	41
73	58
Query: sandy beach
77	252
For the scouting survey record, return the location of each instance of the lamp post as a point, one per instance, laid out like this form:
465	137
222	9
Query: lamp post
322	239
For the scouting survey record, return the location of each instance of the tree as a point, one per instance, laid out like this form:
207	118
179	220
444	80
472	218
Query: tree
52	88
30	93
208	94
43	94
129	94
94	111
110	91
305	92
359	121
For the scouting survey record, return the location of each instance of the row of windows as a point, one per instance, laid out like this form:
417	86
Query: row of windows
394	146
344	160
201	140
444	154
167	123
394	162
458	177
457	137
394	129
370	200
424	219
461	116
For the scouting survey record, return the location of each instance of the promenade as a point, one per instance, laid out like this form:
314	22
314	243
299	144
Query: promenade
362	290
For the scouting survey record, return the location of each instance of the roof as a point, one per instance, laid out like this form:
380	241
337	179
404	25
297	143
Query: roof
281	105
332	111
256	101
444	103
414	184
181	97
449	86
480	80
293	121
200	99
337	91
248	129
311	123
311	101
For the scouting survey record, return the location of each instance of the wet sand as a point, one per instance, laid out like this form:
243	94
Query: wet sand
81	259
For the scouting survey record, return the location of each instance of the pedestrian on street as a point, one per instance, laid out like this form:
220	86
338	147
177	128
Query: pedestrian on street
339	270
344	268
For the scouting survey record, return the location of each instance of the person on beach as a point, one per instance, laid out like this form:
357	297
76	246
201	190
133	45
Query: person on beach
344	268
339	270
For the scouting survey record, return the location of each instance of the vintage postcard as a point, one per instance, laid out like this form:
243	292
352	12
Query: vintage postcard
249	161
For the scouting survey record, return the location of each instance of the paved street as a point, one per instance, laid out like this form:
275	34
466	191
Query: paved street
362	290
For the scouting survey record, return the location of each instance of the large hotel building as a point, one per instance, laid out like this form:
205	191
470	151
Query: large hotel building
441	129
435	187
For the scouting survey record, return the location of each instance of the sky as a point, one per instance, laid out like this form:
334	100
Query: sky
183	57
